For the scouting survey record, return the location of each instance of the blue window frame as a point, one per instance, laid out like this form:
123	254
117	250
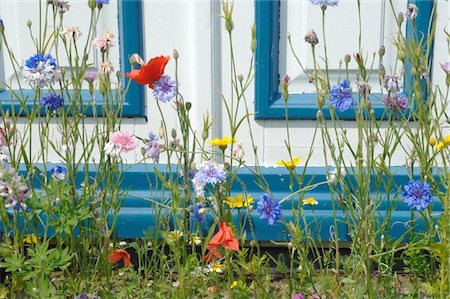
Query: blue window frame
131	40
268	101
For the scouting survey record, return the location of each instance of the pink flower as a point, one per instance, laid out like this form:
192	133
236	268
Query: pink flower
299	296
100	43
126	140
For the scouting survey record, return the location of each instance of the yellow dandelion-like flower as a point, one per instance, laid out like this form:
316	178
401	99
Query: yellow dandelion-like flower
432	141
222	143
447	140
239	201
31	239
196	240
440	146
310	201
174	236
290	164
233	284
217	267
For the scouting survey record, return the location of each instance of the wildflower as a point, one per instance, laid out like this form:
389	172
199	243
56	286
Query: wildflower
284	84
216	267
269	210
113	150
106	67
90	76
40	70
120	254
310	201
325	2
432	141
239	201
446	67
30	239
196	240
165	89
126	140
174	236
105	42
224	237
13	189
299	296
417	195
59	173
440	146
85	296
392	83
290	164
341	97
151	72
395	101
222	143
311	38
238	152
447	140
122	243
152	148
210	173
52	101
233	284
411	11
62	6
197	212
364	88
72	32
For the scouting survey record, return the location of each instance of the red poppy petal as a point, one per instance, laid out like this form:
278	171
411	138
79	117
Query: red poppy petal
150	72
114	257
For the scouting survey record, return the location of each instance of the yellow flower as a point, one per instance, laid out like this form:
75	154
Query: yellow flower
217	267
239	202
31	239
310	201
290	164
432	141
440	146
196	240
174	236
234	284
222	143
447	140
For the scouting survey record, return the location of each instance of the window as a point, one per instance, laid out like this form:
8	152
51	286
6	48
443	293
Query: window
130	40
272	49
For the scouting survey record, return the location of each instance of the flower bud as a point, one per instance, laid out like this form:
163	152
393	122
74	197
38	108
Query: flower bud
188	106
161	132
173	133
285	83
2	27
29	23
400	18
253	45
381	51
143	151
175	54
347	58
432	141
311	38
202	211
447	80
253	31
382	71
136	59
240	77
290	245
92	4
229	25
205	134
6	120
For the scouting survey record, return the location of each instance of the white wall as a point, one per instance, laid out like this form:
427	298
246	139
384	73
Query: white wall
190	26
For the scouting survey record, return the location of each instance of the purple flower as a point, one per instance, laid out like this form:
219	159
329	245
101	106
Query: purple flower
52	101
59	173
90	76
198	213
152	148
210	173
85	296
14	190
446	67
417	195
325	2
269	210
40	70
299	296
341	96
165	89
396	101
102	2
393	83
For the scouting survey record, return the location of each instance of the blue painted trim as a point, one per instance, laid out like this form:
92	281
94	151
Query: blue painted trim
137	215
130	41
268	101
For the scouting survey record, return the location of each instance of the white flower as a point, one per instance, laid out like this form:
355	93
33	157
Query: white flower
72	32
122	243
112	149
238	152
106	67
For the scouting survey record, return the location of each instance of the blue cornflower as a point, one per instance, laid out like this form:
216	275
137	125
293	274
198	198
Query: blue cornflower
59	173
198	212
165	89
40	70
325	2
269	210
417	195
52	101
341	96
210	173
102	1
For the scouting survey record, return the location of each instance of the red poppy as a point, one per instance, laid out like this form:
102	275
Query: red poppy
119	254
151	72
224	237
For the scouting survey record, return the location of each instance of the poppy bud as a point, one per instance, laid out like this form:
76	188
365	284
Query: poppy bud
92	4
